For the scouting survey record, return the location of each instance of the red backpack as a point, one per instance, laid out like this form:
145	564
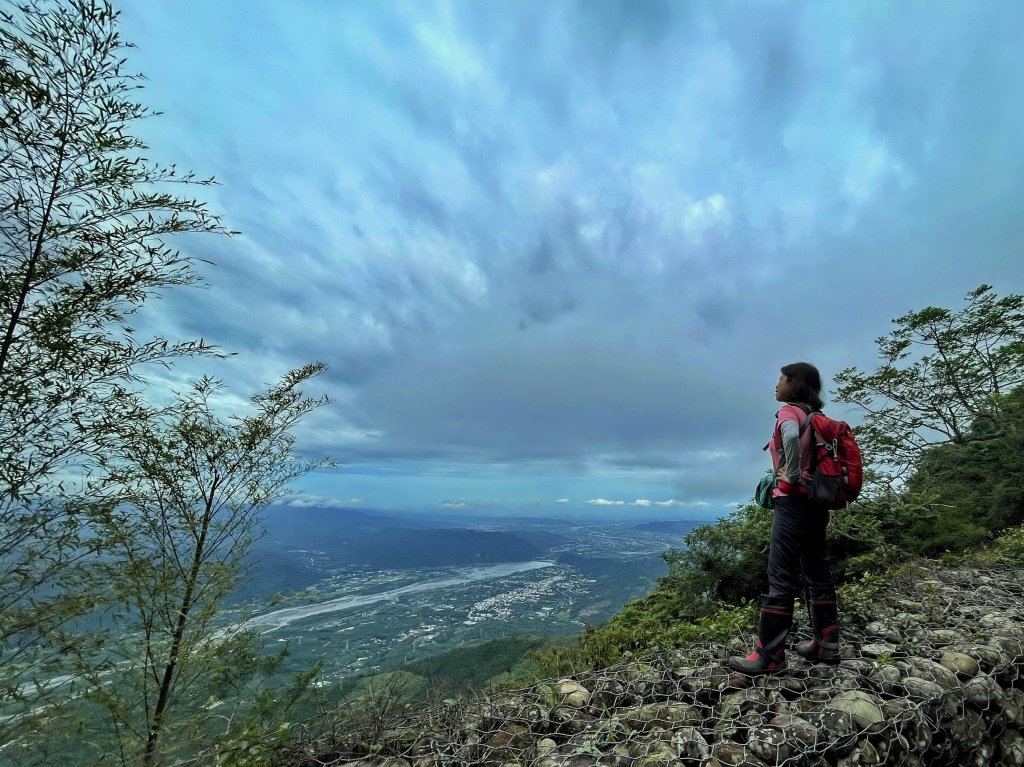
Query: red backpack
838	470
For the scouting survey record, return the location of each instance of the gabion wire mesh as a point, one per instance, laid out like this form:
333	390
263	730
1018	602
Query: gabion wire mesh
934	679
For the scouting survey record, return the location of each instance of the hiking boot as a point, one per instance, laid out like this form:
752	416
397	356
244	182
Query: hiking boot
769	656
824	647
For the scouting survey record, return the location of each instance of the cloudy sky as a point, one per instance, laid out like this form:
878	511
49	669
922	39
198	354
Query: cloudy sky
555	253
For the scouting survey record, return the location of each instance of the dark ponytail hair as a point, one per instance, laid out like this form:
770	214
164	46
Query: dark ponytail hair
805	383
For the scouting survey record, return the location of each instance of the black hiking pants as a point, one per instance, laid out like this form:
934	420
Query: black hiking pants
798	547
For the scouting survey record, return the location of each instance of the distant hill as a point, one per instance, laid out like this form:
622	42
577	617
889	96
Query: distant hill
303	525
474	666
268	571
540	538
387	540
441	548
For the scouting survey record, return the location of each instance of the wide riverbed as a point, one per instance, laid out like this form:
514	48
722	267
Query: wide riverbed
279	618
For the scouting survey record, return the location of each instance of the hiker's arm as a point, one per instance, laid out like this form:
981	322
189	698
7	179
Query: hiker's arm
789	470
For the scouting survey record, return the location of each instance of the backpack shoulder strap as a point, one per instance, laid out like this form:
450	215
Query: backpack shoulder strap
808	411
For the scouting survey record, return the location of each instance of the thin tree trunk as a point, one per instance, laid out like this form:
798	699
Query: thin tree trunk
166	683
37	250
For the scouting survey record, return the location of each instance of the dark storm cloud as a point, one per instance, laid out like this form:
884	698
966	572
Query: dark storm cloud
584	237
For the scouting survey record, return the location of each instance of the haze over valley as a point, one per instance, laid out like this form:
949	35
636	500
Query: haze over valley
364	591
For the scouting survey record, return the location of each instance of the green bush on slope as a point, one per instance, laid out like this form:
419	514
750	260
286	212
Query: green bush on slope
966	492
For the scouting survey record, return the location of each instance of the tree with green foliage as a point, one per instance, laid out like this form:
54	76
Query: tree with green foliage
966	492
85	222
193	486
941	375
941	425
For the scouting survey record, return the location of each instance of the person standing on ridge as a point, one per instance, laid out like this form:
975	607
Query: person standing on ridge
797	545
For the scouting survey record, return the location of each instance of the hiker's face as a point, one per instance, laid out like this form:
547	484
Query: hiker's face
782	389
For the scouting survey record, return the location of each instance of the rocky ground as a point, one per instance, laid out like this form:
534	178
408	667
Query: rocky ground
935	678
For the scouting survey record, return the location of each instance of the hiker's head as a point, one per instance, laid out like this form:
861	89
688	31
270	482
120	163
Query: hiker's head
800	382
